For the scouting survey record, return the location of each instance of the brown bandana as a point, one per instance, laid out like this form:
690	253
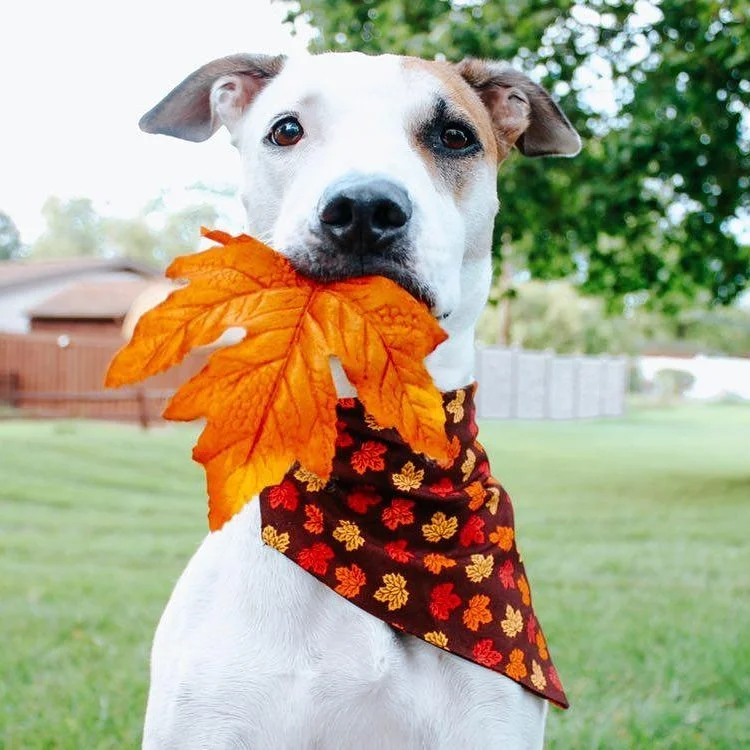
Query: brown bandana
427	547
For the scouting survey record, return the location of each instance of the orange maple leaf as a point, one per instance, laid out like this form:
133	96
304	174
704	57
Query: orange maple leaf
350	580
270	399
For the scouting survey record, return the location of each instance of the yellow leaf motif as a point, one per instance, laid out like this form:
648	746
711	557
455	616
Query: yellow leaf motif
494	500
480	568
537	676
437	638
348	532
512	625
440	527
313	483
372	424
393	591
468	465
272	538
410	478
456	407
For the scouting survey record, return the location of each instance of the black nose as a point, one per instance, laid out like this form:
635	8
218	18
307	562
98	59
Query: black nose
364	213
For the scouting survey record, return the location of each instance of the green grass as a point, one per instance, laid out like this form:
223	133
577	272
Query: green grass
634	534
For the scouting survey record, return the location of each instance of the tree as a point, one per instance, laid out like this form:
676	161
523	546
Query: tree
155	235
10	238
648	213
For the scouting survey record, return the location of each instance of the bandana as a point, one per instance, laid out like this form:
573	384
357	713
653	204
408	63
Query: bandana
427	547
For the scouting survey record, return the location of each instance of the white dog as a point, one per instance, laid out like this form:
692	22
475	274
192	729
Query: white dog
352	165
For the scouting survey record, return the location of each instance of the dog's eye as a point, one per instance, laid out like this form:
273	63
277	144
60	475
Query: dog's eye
286	132
456	138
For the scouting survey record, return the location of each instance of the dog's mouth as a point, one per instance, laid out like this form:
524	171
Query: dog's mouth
318	264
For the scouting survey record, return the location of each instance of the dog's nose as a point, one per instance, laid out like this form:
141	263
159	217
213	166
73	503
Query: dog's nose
361	214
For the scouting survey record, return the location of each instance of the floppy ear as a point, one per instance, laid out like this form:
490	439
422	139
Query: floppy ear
522	112
214	95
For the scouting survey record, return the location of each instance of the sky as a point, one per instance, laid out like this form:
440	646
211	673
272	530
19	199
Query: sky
76	76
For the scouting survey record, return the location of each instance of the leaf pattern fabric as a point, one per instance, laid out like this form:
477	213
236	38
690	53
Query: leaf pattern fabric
429	547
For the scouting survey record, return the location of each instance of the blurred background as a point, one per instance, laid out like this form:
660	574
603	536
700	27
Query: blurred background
613	358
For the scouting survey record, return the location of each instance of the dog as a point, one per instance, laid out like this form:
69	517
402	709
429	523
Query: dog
352	165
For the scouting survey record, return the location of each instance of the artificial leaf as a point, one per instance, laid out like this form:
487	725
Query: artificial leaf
269	400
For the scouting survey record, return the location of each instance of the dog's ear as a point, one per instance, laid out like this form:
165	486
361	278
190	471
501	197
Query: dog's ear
214	95
522	112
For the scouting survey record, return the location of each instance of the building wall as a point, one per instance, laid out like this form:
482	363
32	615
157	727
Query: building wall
15	302
111	329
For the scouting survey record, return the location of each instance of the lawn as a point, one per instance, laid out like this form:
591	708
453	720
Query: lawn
634	533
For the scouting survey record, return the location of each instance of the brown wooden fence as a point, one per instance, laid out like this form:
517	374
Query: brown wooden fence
44	375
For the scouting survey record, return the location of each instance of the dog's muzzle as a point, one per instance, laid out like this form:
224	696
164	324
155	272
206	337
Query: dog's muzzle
362	216
362	229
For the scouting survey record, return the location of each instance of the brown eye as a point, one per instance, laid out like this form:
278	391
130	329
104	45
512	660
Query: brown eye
286	132
456	138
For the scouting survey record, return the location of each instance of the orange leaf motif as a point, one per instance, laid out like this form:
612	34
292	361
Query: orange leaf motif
270	399
476	613
350	580
435	562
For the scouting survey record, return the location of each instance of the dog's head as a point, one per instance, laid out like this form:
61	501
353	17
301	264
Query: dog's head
356	165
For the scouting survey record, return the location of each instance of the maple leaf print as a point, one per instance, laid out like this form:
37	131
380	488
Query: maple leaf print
476	613
484	653
480	568
393	591
515	668
347	532
440	527
454	450
343	438
284	495
443	600
472	532
455	407
554	679
350	580
512	625
410	478
531	627
269	400
314	522
360	501
372	424
523	587
397	551
468	465
315	558
538	679
435	562
507	574
503	537
398	513
493	500
272	538
369	456
442	487
437	638
476	494
312	482
541	644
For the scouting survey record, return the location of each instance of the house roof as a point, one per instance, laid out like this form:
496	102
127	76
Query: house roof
91	300
19	273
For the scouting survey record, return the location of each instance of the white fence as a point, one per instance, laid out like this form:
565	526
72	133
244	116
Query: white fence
518	384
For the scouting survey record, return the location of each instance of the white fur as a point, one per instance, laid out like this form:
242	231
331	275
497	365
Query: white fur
252	651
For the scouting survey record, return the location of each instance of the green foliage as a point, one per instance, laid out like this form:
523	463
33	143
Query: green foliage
636	556
10	238
555	315
649	212
154	235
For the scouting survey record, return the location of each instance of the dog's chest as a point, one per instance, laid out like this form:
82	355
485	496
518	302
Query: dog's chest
253	652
